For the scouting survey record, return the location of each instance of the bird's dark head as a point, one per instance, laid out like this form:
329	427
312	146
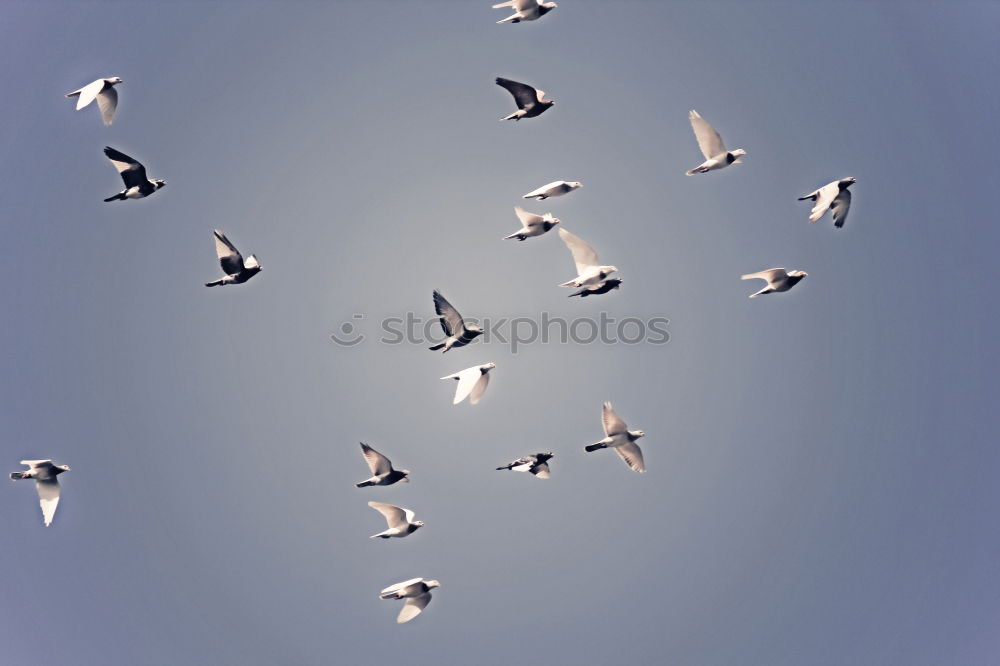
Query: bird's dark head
114	80
59	469
473	328
159	182
844	183
405	473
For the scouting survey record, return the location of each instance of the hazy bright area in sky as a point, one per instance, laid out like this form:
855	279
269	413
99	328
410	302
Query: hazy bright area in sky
822	463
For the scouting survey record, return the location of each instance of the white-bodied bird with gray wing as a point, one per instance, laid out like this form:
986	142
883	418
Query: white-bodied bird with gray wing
617	436
44	473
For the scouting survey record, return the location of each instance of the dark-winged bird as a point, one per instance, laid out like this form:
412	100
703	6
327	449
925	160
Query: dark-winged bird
236	269
530	102
459	334
137	185
381	468
537	464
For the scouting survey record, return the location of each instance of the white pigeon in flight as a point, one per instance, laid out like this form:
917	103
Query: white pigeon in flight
472	383
620	438
381	468
777	280
236	269
833	196
556	188
589	272
537	464
417	593
400	521
103	90
526	10
133	174
531	224
44	473
716	155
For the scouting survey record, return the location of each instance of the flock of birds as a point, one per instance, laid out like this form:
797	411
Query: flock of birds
593	278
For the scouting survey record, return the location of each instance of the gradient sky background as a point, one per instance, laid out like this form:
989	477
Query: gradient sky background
822	463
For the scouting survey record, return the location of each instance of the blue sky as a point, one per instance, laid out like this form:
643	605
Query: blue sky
822	463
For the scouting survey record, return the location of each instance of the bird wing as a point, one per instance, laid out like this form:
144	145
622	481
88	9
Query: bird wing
48	497
87	93
613	425
479	388
517	5
824	197
451	321
527	219
33	464
413	607
377	463
399	587
841	204
771	274
229	256
632	455
583	255
132	171
466	382
394	516
541	471
107	101
524	95
708	139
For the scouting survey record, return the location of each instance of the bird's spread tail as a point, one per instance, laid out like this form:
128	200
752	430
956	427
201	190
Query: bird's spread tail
593	447
16	476
118	197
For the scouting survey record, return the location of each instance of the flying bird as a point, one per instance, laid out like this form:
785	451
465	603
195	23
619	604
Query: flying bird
554	189
459	333
400	521
137	185
46	483
103	90
531	224
236	269
417	593
537	464
777	280
620	438
833	196
530	102
589	272
716	155
471	382
602	288
526	10
381	468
